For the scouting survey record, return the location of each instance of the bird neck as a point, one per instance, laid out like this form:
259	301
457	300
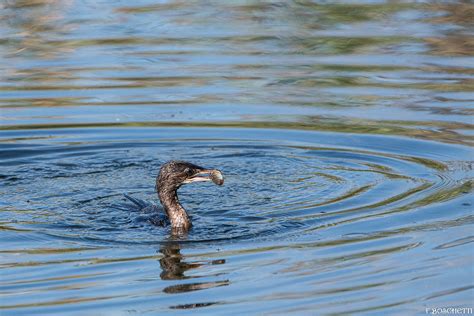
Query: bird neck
176	213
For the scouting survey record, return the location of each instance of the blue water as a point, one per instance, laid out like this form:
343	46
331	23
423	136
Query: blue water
343	130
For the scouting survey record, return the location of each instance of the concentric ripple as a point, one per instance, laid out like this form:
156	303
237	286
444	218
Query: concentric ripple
273	189
304	219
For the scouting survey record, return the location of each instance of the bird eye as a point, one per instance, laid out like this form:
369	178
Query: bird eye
187	171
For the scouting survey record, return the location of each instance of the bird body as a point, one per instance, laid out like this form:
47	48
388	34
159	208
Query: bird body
173	174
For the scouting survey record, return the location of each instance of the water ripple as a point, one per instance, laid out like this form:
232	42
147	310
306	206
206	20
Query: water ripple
272	190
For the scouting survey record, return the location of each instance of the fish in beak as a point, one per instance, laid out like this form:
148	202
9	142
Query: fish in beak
213	175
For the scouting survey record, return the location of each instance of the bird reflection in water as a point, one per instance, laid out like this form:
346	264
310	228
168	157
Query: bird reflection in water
174	268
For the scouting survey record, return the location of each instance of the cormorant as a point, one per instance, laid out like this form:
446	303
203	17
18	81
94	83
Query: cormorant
173	174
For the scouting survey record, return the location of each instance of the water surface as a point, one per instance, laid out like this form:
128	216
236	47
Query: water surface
343	130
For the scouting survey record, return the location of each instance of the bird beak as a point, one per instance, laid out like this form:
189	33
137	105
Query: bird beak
213	175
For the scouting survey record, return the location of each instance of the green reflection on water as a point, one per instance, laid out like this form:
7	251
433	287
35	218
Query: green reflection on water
348	126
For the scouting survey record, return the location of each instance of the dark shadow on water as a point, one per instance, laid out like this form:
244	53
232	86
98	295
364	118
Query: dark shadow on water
174	267
192	306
